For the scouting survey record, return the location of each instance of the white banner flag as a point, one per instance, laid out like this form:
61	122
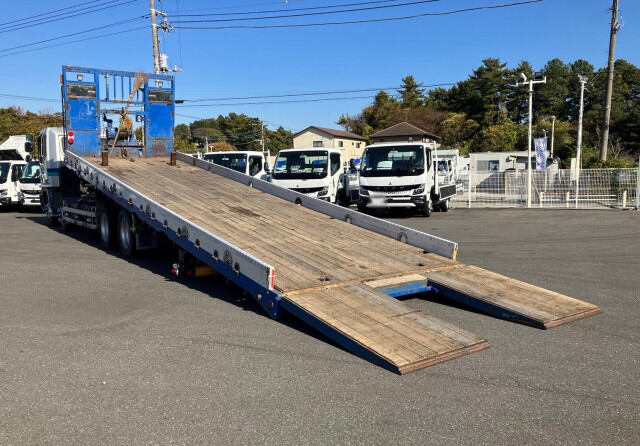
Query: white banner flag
541	153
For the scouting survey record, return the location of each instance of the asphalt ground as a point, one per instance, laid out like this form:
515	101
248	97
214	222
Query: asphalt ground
95	349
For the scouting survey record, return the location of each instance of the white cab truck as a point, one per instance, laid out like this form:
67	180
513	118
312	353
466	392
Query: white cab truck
31	185
403	176
317	173
13	153
249	162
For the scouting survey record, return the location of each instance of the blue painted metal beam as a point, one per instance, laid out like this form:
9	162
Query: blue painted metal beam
406	289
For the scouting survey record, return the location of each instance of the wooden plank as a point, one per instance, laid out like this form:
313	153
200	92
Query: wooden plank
541	306
325	252
405	338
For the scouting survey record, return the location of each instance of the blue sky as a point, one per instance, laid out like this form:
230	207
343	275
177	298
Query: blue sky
240	63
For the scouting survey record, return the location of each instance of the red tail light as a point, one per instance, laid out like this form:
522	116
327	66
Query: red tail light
70	138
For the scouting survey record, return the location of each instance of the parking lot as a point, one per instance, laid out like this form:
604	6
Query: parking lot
95	349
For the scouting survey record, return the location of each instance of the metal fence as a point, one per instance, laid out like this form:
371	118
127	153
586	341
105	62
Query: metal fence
565	188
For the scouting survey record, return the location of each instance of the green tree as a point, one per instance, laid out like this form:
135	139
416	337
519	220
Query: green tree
411	92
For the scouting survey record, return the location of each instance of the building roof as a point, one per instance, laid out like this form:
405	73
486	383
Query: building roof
334	133
404	129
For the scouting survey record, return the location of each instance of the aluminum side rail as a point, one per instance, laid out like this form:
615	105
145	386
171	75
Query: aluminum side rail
251	274
426	242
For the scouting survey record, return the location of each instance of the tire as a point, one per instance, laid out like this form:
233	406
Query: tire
107	230
126	239
445	205
64	226
362	208
427	209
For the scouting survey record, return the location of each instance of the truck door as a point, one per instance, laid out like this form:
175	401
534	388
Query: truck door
335	164
159	125
255	165
16	173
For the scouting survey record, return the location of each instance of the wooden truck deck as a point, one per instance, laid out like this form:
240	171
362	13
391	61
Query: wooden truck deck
336	276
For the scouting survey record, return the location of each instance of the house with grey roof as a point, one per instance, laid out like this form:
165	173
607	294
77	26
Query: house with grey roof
404	132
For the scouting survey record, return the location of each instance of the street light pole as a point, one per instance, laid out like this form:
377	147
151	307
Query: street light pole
553	131
583	80
538	79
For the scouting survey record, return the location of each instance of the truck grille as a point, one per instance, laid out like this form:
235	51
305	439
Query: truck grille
31	192
392	190
307	190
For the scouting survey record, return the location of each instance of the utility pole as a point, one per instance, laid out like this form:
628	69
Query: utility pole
615	27
538	78
583	80
154	36
160	61
553	131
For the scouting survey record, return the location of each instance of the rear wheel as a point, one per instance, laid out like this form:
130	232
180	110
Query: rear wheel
126	239
106	226
445	205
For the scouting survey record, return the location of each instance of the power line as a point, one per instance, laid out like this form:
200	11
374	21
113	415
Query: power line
46	13
287	9
307	14
317	93
73	34
293	101
353	22
73	41
27	98
56	19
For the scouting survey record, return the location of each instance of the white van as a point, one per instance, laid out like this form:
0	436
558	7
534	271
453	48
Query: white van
316	173
248	162
403	175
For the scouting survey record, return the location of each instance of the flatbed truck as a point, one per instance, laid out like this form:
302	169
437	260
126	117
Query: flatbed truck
332	267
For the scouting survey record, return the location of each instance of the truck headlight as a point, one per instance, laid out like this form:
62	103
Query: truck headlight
419	190
324	191
363	191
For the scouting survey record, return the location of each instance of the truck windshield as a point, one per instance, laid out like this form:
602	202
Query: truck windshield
31	173
4	172
392	161
300	165
235	161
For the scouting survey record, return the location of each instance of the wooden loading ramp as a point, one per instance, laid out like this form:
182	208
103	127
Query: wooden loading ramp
328	272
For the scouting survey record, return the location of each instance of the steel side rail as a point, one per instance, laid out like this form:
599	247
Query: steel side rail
250	273
422	240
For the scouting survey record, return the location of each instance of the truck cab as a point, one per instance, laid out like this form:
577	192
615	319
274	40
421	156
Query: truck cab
317	173
402	176
249	162
10	173
31	185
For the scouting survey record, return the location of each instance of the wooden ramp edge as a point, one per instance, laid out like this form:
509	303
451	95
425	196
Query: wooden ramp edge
509	298
381	329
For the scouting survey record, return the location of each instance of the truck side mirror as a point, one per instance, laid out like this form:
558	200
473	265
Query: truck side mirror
28	147
266	167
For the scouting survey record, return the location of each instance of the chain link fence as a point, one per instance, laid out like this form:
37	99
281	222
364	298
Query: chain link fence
564	188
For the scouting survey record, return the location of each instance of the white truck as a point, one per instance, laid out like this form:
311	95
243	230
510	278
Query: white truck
403	176
31	185
248	162
13	153
317	173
